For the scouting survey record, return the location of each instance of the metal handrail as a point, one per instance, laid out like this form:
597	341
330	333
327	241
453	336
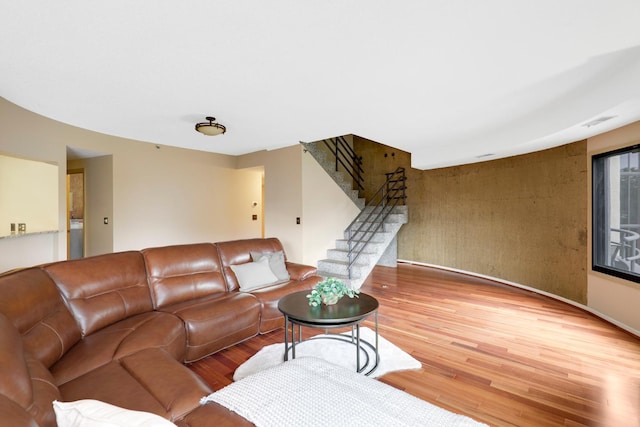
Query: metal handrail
390	195
345	156
626	250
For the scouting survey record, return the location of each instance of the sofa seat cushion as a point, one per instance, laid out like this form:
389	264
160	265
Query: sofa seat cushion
147	330
149	380
218	321
271	318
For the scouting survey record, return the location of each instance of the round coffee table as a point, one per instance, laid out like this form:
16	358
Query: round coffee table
346	312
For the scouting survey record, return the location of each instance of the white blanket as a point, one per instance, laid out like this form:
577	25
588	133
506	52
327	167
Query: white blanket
309	392
392	358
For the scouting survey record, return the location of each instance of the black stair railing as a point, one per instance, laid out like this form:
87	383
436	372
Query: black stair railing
346	157
364	227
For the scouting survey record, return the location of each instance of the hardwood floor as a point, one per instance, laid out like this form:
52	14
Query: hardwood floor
501	355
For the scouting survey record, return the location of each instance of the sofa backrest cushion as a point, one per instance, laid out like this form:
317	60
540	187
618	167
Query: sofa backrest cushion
183	272
32	302
103	289
237	252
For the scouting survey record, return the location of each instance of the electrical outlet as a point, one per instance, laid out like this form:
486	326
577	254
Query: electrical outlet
106	220
298	220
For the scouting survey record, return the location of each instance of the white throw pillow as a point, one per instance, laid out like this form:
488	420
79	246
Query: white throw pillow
276	263
94	413
254	275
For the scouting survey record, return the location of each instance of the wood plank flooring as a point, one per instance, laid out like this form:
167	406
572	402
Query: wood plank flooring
499	354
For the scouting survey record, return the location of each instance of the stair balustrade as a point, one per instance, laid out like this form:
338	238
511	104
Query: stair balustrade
370	237
346	157
371	219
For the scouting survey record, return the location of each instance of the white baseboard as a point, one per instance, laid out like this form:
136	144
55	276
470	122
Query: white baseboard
538	291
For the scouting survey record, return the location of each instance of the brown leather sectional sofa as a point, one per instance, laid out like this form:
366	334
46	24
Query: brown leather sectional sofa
118	328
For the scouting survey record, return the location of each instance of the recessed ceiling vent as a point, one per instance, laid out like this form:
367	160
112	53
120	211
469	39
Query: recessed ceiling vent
597	121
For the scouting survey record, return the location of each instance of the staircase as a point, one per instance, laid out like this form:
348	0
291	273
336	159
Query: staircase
370	239
344	176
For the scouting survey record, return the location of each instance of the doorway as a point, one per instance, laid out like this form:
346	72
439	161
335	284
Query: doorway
75	214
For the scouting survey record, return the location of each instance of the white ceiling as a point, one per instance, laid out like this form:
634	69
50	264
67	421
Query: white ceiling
450	81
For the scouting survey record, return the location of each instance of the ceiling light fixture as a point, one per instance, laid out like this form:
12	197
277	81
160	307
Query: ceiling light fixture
210	128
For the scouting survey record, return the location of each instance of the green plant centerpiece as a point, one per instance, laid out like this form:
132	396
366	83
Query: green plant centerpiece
329	291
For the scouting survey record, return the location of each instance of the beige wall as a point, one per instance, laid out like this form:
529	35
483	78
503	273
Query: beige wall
522	219
616	298
28	250
251	181
98	184
296	186
327	211
28	135
171	196
282	195
28	194
160	196
98	177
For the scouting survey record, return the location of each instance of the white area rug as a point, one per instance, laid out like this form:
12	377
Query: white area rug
341	353
310	392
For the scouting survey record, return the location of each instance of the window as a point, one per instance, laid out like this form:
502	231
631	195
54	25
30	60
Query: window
616	213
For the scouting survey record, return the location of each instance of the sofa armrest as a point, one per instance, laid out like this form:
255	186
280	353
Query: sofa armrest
300	271
15	415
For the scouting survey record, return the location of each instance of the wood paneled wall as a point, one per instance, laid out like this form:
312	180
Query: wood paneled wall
522	219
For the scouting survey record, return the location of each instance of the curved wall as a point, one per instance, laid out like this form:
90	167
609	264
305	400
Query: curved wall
617	298
159	195
522	219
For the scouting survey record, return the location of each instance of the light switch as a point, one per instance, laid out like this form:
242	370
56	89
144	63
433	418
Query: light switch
106	220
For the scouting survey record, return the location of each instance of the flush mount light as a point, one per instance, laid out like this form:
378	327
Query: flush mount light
210	128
